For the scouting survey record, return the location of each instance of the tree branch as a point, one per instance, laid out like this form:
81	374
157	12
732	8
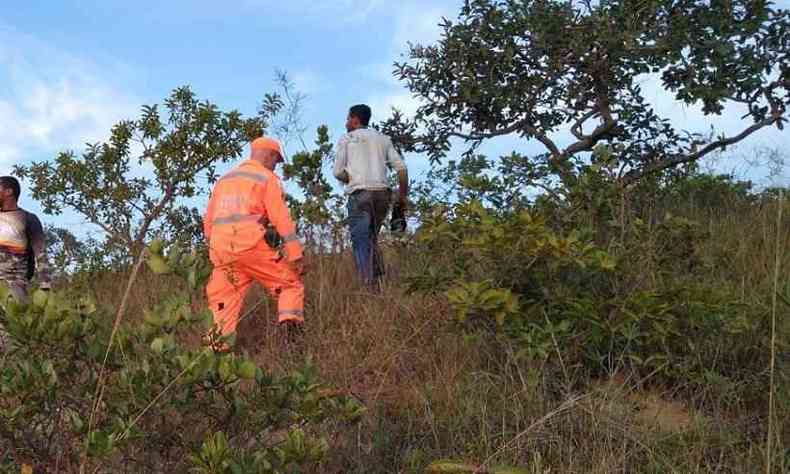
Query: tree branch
516	126
588	142
576	129
94	220
679	159
608	125
154	214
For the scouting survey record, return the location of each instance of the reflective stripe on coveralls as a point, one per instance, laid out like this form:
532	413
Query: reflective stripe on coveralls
230	282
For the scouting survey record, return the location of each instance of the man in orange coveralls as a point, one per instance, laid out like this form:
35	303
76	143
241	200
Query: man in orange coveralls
242	204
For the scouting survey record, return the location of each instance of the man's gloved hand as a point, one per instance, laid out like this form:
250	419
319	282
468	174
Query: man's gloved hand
398	218
272	238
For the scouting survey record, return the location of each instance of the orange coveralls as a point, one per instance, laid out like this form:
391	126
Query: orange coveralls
241	204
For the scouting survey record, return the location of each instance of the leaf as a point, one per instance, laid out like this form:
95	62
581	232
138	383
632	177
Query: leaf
246	370
156	246
154	319
40	298
158	265
100	444
455	467
458	296
174	256
158	345
225	369
492	298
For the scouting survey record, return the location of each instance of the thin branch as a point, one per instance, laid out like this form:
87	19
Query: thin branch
94	220
154	214
772	366
589	141
516	126
100	382
576	129
679	159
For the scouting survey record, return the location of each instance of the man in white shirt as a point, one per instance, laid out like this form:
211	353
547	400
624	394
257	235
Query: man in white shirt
361	162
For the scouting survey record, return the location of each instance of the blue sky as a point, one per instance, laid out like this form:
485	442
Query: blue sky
70	69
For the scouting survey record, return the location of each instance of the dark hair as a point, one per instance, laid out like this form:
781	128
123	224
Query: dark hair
362	112
10	182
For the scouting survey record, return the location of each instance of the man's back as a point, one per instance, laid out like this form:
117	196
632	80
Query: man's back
364	154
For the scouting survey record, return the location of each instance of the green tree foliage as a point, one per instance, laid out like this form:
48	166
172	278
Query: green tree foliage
139	182
535	271
318	210
536	68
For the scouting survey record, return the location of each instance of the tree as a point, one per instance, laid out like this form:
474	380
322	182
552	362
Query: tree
318	212
534	68
138	183
66	252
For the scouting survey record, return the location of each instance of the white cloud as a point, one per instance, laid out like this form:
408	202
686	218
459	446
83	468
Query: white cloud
383	104
418	23
414	23
51	100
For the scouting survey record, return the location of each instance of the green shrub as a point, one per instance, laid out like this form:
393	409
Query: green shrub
560	298
151	403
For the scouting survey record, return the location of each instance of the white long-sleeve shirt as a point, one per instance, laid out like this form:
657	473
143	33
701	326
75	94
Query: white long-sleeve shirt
364	155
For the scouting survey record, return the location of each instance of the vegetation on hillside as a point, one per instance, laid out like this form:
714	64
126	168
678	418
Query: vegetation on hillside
602	307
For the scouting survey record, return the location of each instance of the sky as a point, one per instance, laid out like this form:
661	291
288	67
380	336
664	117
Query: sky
70	69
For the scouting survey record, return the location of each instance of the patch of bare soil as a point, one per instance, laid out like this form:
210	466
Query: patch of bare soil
647	407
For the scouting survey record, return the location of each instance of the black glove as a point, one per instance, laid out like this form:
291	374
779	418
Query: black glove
272	237
398	218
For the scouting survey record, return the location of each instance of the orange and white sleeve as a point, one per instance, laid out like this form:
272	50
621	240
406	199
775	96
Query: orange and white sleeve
280	217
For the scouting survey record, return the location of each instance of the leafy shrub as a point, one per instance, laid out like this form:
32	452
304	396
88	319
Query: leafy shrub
562	299
151	403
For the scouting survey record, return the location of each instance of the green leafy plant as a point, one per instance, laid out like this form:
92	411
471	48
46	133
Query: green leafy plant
160	404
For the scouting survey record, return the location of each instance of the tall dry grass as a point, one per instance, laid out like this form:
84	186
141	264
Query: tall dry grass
434	392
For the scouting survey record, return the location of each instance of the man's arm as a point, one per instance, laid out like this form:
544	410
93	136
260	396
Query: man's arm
403	187
396	162
341	160
280	217
38	250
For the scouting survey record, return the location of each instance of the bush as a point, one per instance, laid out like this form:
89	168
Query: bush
562	299
149	403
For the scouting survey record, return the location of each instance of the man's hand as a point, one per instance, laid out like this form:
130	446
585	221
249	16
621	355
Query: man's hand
299	266
403	202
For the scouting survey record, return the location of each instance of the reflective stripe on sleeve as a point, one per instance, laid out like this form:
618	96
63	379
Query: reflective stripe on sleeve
235	218
246	175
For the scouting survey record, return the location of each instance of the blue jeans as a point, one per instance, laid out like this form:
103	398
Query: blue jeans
366	212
